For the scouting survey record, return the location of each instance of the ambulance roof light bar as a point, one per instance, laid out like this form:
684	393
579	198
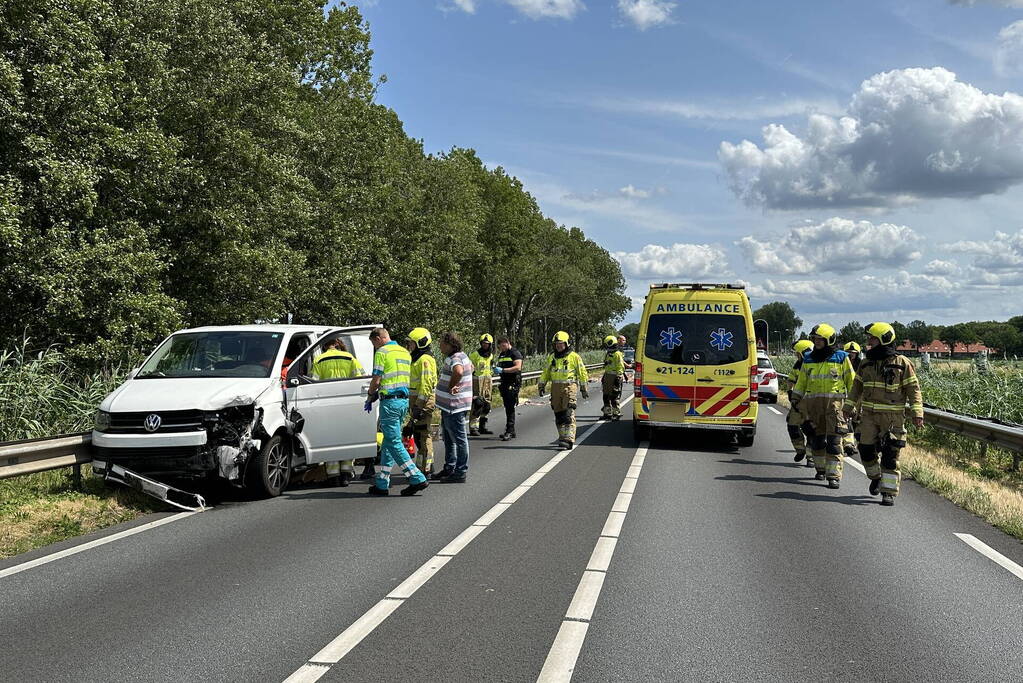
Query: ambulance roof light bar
696	285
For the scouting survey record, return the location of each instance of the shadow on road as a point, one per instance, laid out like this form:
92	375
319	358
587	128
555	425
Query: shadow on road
767	480
743	461
810	498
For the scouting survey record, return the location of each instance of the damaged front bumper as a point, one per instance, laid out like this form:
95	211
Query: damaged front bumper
183	500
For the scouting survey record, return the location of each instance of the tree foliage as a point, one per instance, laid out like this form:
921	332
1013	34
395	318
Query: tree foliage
197	162
852	331
780	317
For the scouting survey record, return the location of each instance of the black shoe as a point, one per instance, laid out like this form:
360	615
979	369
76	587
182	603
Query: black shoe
887	499
473	431
507	435
833	483
819	476
875	486
413	489
808	463
367	473
374	491
565	445
850	451
615	418
344	479
799	456
442	475
484	430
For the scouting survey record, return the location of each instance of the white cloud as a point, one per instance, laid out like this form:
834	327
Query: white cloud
940	267
747	109
837	245
1009	55
646	14
899	292
634	192
543	9
907	135
468	6
1003	3
691	261
1002	253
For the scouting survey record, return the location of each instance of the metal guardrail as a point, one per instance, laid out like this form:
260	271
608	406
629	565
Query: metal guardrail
39	455
986	430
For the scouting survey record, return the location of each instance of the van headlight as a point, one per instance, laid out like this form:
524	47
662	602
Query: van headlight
101	422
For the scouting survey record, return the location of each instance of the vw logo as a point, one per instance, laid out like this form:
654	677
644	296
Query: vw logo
152	422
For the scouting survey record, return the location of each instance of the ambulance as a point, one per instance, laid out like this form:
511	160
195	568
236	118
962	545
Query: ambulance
696	361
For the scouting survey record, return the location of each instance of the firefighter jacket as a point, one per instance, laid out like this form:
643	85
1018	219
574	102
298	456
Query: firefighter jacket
483	366
335	364
887	385
614	363
569	369
830	378
422	381
797	371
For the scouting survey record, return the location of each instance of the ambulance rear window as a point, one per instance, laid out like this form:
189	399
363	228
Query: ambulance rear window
696	339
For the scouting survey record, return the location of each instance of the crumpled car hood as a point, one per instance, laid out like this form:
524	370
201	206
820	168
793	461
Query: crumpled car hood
140	395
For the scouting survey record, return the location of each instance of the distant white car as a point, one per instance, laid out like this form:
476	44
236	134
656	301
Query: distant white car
767	378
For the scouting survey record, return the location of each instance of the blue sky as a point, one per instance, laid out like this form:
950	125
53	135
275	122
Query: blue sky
859	160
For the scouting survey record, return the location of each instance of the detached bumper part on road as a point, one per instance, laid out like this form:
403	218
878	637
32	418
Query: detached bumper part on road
184	500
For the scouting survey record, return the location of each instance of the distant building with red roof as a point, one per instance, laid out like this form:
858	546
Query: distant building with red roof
939	348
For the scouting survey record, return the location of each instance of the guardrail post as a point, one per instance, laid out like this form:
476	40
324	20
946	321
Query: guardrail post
76	476
1015	461
983	451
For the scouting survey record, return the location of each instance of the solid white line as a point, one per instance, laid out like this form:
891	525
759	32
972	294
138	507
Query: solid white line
774	410
564	652
46	559
990	553
856	464
334	651
586	595
419	577
560	662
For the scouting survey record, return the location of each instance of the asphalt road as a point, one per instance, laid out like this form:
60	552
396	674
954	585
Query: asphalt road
730	564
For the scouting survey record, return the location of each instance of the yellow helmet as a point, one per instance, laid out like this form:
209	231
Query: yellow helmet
802	346
883	331
825	332
421	336
486	338
560	336
610	340
850	347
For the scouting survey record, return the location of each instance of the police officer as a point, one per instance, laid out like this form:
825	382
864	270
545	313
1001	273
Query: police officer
795	419
508	367
337	363
482	360
614	377
566	373
422	399
849	440
885	383
825	381
390	384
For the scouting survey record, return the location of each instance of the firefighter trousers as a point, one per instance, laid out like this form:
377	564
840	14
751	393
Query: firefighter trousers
424	440
482	391
611	384
563	403
829	427
882	438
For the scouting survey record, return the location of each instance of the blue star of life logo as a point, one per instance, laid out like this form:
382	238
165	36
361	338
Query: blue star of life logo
721	340
671	338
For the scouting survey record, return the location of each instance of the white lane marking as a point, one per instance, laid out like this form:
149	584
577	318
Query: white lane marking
622	502
855	463
990	553
564	652
320	663
774	410
61	554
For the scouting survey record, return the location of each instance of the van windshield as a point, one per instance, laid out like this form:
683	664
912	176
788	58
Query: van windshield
214	354
689	339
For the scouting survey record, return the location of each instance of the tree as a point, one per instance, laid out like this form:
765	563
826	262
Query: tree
958	333
919	333
781	319
1002	337
852	331
901	332
631	332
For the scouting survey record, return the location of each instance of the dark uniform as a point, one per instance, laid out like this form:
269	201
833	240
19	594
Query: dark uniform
511	382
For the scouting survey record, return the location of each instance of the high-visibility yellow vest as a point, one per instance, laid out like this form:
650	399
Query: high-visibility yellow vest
335	364
829	378
393	364
482	366
614	363
565	370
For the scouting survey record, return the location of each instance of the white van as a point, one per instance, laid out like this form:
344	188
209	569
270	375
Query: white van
237	403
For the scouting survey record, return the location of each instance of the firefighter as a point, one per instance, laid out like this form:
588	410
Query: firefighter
850	440
337	363
795	418
422	400
824	382
482	360
614	377
885	383
392	369
566	373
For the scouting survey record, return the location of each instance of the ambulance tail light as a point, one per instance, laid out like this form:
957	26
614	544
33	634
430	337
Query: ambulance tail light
638	381
754	386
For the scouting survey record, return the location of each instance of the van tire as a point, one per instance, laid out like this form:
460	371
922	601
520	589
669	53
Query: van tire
745	439
640	432
270	471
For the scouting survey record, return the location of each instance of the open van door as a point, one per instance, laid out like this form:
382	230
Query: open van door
334	425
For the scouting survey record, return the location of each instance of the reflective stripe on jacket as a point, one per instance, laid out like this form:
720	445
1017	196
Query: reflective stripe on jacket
392	364
887	385
483	366
566	370
614	363
335	364
423	378
829	378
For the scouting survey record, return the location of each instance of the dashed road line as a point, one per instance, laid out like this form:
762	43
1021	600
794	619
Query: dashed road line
992	554
774	410
320	663
564	653
61	554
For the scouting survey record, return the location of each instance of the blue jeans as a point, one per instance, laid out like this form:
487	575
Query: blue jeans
392	413
456	442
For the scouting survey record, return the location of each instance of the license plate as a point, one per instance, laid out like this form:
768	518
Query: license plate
668	411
